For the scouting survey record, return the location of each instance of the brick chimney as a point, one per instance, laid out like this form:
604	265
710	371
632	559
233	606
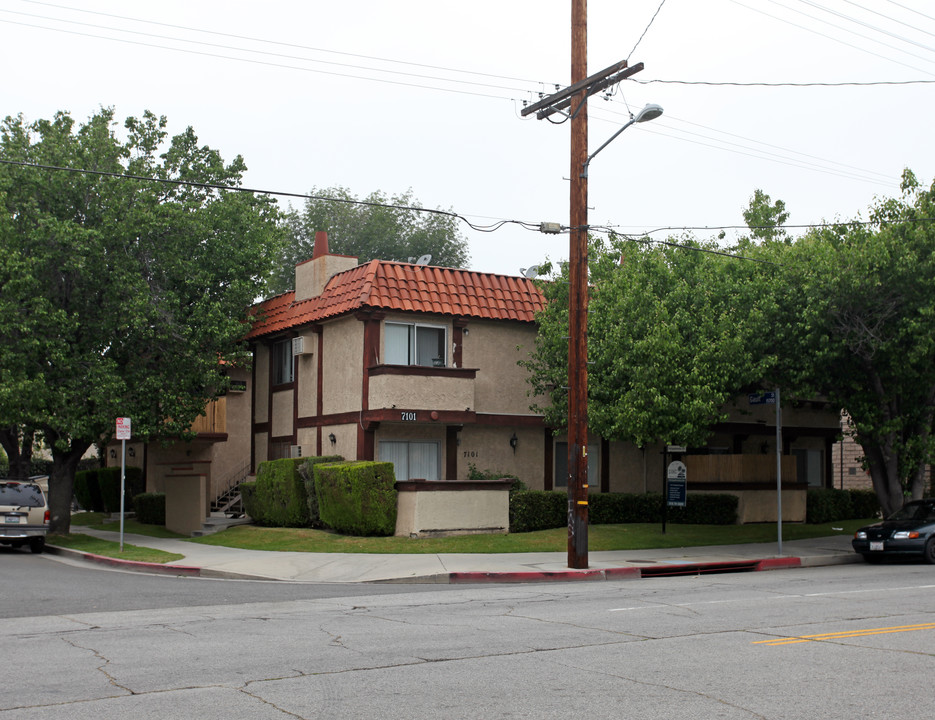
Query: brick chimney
311	276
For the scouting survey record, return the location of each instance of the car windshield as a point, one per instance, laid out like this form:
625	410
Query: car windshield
916	510
20	494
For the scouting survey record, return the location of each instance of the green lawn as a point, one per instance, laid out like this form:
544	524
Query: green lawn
107	548
600	537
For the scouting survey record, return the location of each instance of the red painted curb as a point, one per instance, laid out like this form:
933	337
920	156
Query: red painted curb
530	576
779	563
150	567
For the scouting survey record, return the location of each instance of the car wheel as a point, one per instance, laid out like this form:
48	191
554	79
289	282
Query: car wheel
37	545
929	552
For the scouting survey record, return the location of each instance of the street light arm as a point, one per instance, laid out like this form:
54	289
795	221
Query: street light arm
584	170
650	112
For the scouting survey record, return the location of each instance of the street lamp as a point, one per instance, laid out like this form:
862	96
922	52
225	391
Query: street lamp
649	112
578	332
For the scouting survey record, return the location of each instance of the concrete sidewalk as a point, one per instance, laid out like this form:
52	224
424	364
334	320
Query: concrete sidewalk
221	562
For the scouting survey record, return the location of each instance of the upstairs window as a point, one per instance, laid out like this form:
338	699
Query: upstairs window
414	344
282	362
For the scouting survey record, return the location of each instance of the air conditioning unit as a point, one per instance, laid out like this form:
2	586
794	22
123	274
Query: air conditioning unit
295	451
298	345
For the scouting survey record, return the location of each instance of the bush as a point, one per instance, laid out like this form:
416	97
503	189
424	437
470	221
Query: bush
865	504
824	505
306	472
150	508
357	498
538	510
278	498
99	490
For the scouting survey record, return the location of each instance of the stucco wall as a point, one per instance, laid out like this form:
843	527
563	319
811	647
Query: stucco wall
421	393
492	348
261	375
452	512
488	449
307	376
282	413
342	373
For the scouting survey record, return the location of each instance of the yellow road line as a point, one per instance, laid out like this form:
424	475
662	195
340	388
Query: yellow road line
844	634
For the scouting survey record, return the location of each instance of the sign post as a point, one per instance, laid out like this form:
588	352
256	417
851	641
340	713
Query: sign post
123	434
674	488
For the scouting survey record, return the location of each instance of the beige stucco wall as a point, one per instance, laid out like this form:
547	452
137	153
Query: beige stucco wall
488	449
307	375
261	378
261	445
492	348
342	373
450	512
185	503
282	413
416	392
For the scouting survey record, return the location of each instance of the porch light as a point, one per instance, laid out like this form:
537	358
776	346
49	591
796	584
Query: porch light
514	441
332	438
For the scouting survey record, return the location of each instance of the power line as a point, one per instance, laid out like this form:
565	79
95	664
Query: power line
712	83
493	227
651	21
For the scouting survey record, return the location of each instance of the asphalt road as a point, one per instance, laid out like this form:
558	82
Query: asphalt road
835	642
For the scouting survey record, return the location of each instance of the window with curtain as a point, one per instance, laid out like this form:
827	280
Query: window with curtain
411	460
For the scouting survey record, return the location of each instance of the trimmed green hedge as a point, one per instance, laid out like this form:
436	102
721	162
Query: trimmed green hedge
150	508
538	510
99	490
357	498
823	505
277	497
306	472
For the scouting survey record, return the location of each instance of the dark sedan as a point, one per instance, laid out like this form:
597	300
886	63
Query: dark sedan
909	531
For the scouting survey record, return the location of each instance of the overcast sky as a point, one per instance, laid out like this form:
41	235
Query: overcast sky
426	94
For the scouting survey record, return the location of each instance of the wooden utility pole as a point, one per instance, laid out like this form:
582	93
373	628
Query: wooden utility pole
578	299
573	102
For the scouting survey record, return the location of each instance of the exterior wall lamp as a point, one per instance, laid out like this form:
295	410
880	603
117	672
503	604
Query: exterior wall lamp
332	438
514	441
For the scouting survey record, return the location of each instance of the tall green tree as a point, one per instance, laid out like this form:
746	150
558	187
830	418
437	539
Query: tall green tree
670	341
376	227
120	297
855	321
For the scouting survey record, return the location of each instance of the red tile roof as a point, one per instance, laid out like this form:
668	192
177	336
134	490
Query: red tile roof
384	285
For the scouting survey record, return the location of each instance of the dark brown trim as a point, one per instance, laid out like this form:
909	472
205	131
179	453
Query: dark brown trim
423	371
319	383
253	431
736	428
451	451
457	340
262	427
605	465
548	469
447	485
728	486
211	436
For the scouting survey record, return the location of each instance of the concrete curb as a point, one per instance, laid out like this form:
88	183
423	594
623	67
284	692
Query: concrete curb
135	565
671	569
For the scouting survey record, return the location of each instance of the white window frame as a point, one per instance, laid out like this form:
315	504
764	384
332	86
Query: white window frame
413	350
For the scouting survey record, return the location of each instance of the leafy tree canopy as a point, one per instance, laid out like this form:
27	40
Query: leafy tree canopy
120	297
845	312
377	227
854	316
667	345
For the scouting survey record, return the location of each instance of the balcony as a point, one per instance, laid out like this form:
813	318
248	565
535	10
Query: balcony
417	387
214	421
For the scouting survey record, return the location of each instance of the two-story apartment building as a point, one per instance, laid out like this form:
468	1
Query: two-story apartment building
418	365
